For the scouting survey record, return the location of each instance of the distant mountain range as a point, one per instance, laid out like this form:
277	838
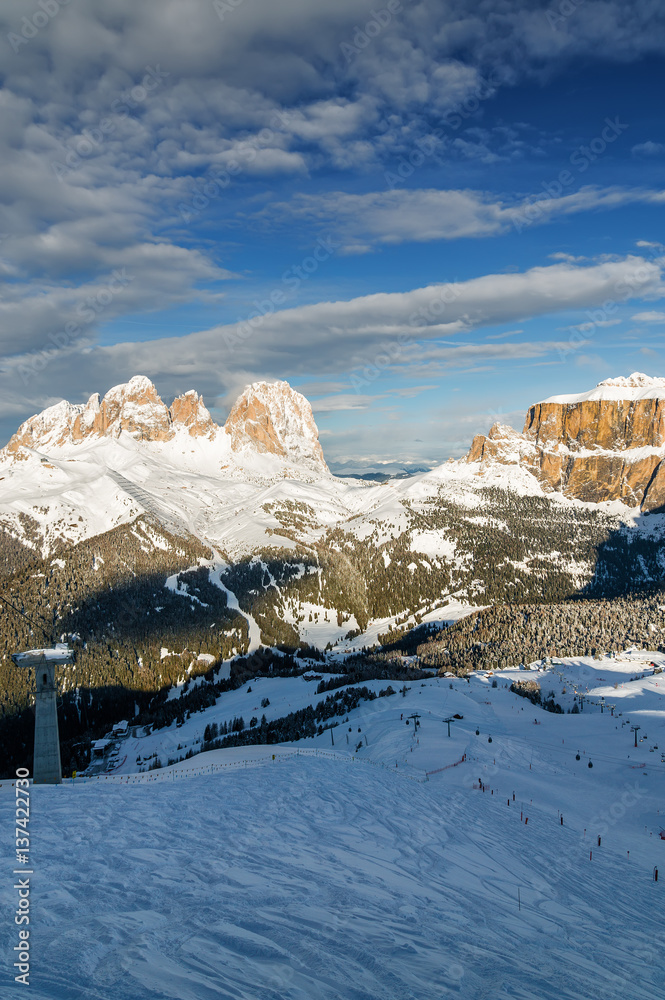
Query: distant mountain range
268	418
77	470
258	488
160	543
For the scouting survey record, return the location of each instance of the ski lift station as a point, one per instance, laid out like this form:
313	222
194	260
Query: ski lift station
47	767
99	747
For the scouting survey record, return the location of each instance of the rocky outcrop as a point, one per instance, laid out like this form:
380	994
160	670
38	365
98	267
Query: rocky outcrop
190	411
610	424
50	428
133	407
503	444
272	418
268	418
654	496
606	444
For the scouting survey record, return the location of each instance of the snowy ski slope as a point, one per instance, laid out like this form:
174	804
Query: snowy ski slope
335	873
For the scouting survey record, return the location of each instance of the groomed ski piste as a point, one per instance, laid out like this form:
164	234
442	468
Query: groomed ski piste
417	866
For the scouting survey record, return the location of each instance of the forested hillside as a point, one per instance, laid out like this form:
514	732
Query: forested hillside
143	610
508	548
132	635
507	635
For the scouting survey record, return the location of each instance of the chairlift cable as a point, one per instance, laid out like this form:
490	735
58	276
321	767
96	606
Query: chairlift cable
17	610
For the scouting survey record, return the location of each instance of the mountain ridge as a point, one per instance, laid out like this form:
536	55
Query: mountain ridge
74	472
268	418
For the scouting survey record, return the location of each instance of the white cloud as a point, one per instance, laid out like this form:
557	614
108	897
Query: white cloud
427	214
569	257
648	148
342	401
400	330
649	317
599	323
129	279
268	89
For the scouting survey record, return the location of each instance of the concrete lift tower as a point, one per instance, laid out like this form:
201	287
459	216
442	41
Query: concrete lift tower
46	768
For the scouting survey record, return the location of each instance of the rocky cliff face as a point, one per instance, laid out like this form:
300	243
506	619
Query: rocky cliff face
502	444
133	407
267	418
273	418
189	411
607	444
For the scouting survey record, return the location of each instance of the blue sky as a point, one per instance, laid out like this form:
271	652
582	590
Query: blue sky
425	216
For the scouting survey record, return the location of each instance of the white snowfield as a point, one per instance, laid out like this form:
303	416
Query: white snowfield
631	387
337	873
85	489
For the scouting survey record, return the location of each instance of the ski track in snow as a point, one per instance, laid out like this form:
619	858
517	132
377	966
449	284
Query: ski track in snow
323	879
215	571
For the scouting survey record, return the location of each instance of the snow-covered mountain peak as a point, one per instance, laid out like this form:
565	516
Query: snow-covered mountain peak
50	428
621	387
502	444
134	407
638	380
138	386
271	417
